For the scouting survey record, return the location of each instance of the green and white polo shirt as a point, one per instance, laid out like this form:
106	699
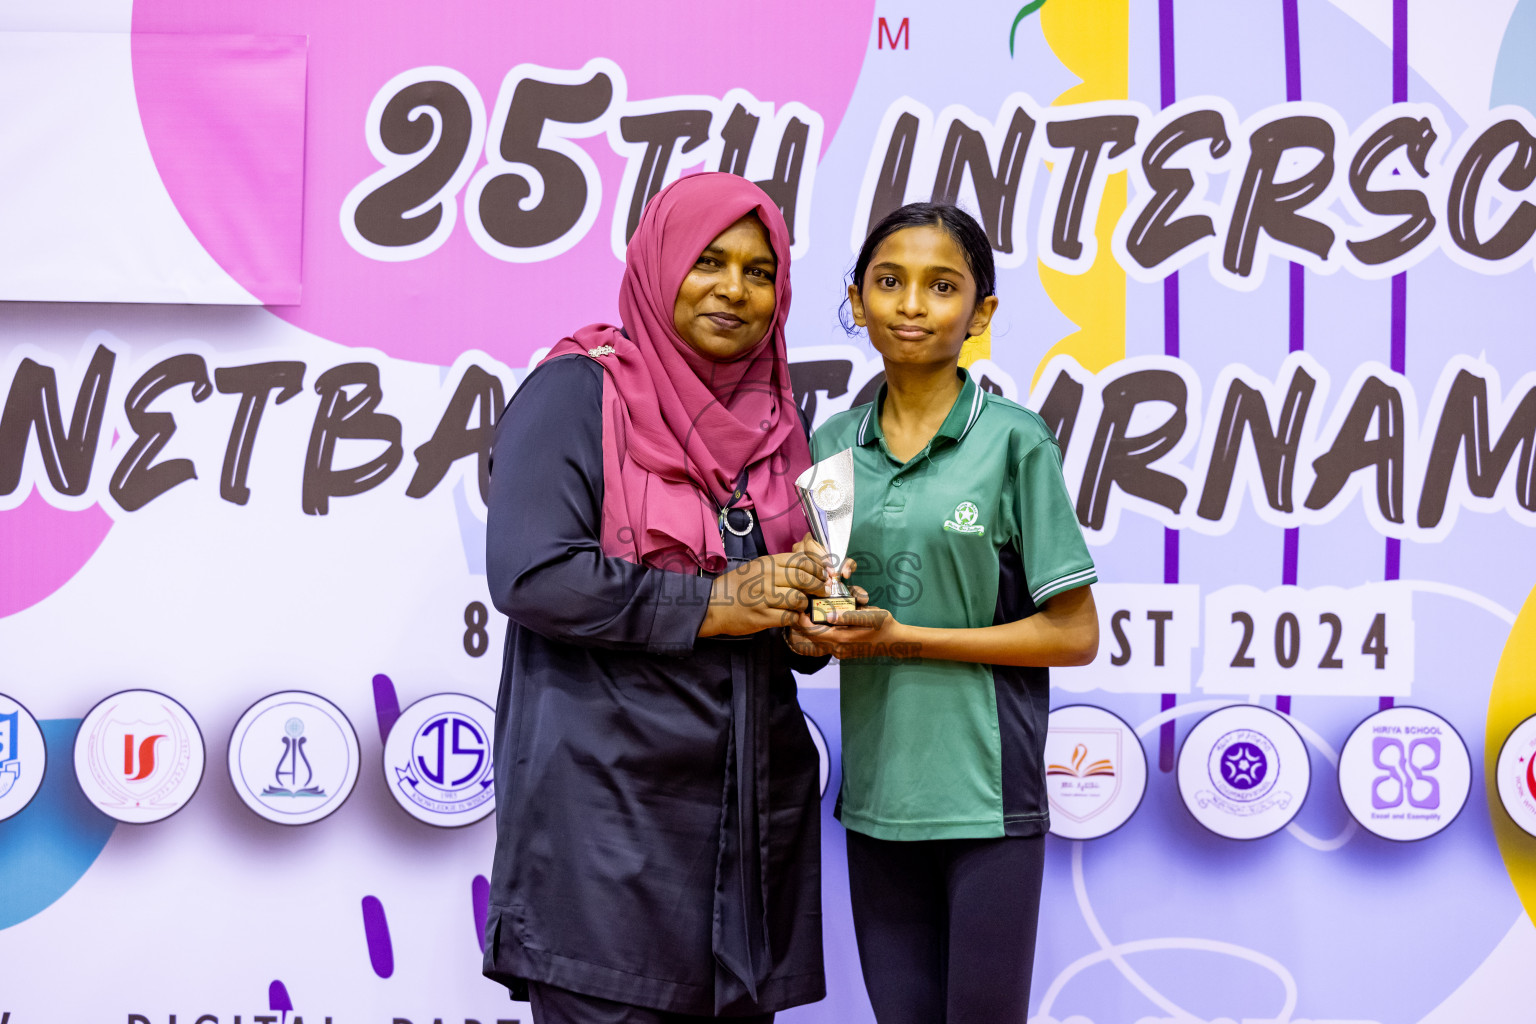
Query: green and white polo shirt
976	529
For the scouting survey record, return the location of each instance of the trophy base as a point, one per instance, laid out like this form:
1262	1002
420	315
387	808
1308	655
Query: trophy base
820	606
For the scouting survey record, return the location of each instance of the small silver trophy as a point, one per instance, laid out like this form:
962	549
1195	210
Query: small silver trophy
826	496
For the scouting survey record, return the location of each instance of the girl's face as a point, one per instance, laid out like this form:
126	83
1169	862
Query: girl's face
725	304
918	299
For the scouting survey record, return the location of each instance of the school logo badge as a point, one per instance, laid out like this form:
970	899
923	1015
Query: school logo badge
293	757
1096	772
1404	773
1240	765
437	760
1244	772
23	757
10	764
1516	773
139	756
966	514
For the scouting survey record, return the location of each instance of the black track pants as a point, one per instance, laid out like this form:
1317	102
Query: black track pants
946	927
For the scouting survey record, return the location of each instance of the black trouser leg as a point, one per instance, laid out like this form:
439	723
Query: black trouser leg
946	928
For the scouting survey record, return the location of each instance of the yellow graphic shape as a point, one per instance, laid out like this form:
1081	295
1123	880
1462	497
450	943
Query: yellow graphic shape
1512	701
978	346
1093	39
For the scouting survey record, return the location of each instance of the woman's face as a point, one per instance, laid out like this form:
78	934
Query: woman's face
918	299
725	304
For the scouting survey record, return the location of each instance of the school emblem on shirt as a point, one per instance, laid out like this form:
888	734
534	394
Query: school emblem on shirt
966	514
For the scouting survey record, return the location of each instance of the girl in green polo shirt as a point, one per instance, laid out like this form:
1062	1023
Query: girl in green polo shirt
978	579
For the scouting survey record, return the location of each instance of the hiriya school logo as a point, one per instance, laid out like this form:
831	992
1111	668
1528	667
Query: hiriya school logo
1096	772
293	757
1404	773
966	514
1244	772
1517	775
23	757
139	756
437	760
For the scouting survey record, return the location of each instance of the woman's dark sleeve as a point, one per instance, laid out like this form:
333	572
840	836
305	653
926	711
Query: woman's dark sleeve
544	561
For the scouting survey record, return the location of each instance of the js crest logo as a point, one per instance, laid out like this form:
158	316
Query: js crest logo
965	521
437	760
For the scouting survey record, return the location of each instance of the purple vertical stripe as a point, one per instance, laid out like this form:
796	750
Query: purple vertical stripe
1298	312
1298	326
1394	561
1171	315
1165	54
1292	52
1399	51
278	999
1400	323
381	951
386	704
480	905
1165	50
1166	736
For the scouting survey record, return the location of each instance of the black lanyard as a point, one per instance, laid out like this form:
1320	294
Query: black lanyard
736	524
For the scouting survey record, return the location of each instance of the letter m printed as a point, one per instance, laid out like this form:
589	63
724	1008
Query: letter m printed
903	34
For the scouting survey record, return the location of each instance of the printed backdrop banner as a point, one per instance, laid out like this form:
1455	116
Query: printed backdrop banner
1266	269
154	168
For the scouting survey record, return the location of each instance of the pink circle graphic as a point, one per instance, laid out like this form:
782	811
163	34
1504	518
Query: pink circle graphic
458	297
42	548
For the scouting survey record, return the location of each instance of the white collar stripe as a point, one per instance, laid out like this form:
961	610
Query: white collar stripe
976	403
864	424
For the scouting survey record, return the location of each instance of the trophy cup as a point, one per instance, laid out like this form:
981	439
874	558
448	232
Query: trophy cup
826	496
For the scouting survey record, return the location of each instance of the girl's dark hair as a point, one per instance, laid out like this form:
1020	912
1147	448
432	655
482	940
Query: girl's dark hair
960	226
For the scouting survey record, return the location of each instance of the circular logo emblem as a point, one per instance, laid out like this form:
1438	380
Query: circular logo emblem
437	760
139	756
1404	773
1244	772
23	757
293	757
1516	774
966	513
1240	765
829	496
1095	771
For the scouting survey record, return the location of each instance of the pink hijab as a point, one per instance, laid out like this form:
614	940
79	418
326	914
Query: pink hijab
679	428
